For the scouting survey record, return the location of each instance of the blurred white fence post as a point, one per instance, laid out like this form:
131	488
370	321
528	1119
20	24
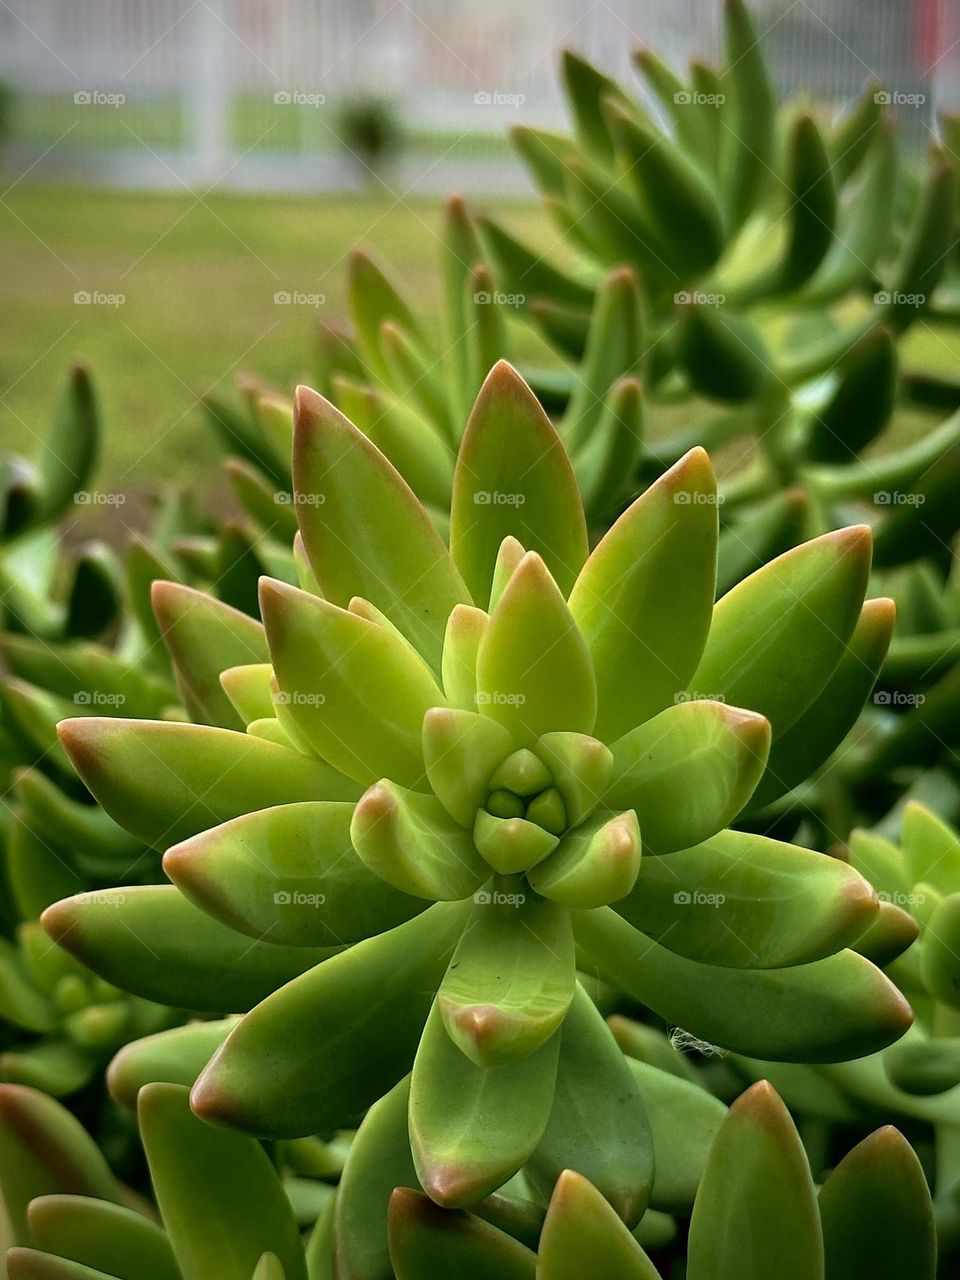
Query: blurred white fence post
208	91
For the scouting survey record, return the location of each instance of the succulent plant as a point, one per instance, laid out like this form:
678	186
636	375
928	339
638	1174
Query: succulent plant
224	1214
43	592
407	746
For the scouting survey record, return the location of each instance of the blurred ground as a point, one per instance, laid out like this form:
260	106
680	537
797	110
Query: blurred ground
183	295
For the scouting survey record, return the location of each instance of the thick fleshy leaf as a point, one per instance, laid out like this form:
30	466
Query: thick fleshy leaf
582	1236
426	1240
461	641
512	976
30	1264
204	636
44	1150
579	767
288	875
796	754
461	750
940	956
748	902
410	841
175	1056
165	782
892	932
534	674
513	477
755	1214
777	637
397	561
684	1119
250	691
379	1160
511	845
748	129
356	691
688	772
876	1213
322	1049
150	940
598	1124
107	1237
930	848
828	1011
220	1197
615	345
594	864
643	600
471	1128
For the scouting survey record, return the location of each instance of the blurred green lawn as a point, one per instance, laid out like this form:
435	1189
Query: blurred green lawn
198	279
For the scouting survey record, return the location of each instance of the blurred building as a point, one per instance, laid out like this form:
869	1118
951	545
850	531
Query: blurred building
243	91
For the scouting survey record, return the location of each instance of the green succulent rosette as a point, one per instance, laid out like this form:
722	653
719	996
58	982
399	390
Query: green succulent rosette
467	771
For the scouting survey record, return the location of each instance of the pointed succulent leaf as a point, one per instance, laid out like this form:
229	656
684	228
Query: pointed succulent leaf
513	477
881	862
748	902
595	864
674	196
613	450
397	561
512	976
175	1056
322	1049
684	1118
249	689
525	270
580	769
892	932
723	355
410	841
462	749
165	782
534	674
269	1268
378	1161
461	641
940	956
797	753
747	132
614	349
876	1213
221	1200
827	1011
511	845
688	772
426	1240
755	1214
778	636
150	940
930	848
287	874
587	88
598	1124
413	376
356	691
110	1238
644	622
203	636
582	1235
373	300
471	1128
44	1150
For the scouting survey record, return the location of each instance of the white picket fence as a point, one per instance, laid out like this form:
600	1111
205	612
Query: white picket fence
240	92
